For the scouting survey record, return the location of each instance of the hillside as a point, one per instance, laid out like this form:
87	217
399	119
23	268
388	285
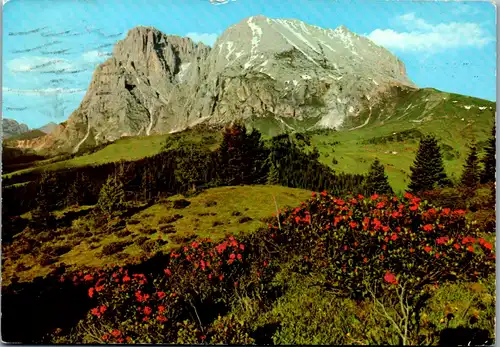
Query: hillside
79	243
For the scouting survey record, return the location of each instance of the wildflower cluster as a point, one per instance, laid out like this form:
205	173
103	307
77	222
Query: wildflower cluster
383	239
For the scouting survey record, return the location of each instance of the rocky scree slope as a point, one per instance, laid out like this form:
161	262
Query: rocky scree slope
260	68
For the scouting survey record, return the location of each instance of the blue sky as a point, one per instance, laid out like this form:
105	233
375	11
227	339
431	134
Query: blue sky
51	47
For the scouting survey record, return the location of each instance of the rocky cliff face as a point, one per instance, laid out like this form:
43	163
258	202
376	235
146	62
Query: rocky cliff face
10	128
260	68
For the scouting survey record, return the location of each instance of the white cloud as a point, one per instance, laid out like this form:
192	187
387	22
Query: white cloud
423	36
42	92
95	56
220	2
38	63
206	38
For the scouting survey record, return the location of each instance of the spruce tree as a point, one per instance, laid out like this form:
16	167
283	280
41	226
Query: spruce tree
471	172
242	156
377	181
489	160
112	196
47	199
192	165
427	170
273	176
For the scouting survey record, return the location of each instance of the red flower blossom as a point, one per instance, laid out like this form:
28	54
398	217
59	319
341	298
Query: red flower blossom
414	207
412	250
103	308
239	256
168	272
105	337
161	308
116	333
442	240
91	292
457	246
408	195
346	248
161	319
385	228
386	239
242	247
313	194
161	295
390	278
428	227
381	257
470	249
394	237
95	312
232	256
88	277
365	260
147	310
427	249
195	244
446	211
395	214
381	204
488	245
126	279
437	255
324	193
374	197
353	224
221	277
384	247
265	263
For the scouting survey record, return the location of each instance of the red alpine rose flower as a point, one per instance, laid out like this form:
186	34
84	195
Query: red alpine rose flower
427	249
390	278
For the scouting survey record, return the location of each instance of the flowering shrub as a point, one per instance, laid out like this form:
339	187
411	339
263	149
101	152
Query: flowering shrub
358	240
141	308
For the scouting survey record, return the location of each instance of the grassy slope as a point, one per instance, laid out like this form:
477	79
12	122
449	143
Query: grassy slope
255	202
427	110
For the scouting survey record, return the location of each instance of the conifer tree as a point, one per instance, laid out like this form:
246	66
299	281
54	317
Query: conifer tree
192	165
47	198
489	160
273	176
427	170
242	156
471	172
112	196
377	181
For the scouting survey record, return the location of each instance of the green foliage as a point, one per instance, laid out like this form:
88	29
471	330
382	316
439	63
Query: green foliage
427	171
377	181
471	172
309	316
46	200
112	196
300	169
241	156
191	165
489	160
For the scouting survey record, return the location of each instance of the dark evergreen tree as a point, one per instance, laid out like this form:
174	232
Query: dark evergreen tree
427	171
112	196
489	160
273	176
471	172
192	165
242	156
377	181
147	184
47	199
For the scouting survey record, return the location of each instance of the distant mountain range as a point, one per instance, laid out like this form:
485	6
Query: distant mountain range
10	128
277	75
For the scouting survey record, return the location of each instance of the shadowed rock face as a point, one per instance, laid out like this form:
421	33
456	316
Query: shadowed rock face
260	67
11	128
